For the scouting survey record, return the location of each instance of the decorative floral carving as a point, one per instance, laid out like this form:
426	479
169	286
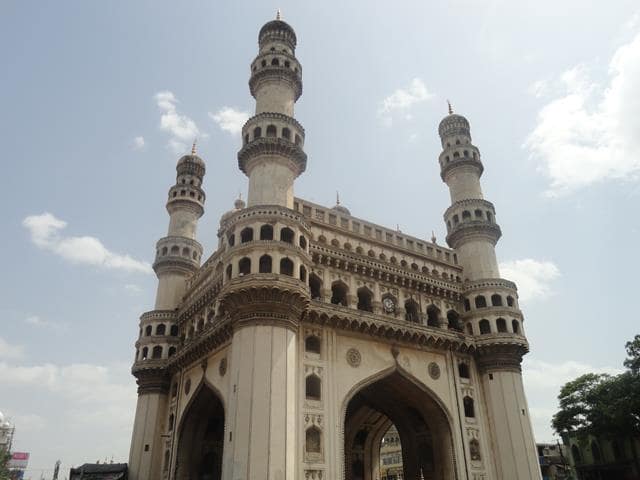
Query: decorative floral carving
353	357
434	370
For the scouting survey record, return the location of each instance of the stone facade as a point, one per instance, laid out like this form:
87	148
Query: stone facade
295	346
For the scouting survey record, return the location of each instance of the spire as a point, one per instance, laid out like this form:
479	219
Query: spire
450	107
278	15
433	237
337	198
193	147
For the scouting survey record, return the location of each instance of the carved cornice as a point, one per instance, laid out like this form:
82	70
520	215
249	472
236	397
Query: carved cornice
272	146
266	212
195	303
278	74
265	298
469	202
489	284
473	230
274	115
158	316
151	376
500	352
387	329
458	162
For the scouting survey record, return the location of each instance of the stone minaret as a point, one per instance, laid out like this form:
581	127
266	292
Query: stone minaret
473	232
177	256
272	155
264	288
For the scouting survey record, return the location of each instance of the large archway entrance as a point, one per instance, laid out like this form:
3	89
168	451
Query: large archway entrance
201	438
421	424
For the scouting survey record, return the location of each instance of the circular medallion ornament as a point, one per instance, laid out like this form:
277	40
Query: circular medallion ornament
434	370
222	368
353	357
187	386
389	305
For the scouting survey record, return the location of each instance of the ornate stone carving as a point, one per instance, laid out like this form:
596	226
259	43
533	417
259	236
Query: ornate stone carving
434	370
353	357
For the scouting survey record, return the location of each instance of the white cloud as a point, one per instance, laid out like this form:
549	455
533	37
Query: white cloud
230	119
182	129
532	277
45	233
402	100
589	134
138	143
37	321
132	288
539	88
9	351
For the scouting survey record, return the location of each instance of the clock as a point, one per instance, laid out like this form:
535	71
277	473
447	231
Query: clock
389	305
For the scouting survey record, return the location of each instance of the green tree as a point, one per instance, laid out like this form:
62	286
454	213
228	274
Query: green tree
577	399
5	456
632	362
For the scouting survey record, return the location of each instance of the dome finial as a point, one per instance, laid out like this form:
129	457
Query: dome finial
433	237
278	15
193	147
450	107
337	197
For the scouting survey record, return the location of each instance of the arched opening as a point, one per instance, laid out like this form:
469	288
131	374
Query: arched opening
286	235
469	328
229	272
286	133
231	240
515	325
365	297
147	330
313	387
463	370
257	132
201	438
315	286
246	235
271	130
286	267
303	273
466	215
433	316
510	301
411	311
454	320
265	264
469	410
501	325
312	344
313	443
276	63
496	300
145	353
156	353
244	266
339	292
172	351
395	426
485	327
266	232
467	305
174	330
481	302
302	242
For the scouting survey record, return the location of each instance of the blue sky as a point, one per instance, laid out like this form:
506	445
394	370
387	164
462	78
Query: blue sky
99	100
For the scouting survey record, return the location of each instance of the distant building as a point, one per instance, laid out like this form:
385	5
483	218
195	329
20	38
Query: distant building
595	458
99	471
6	433
391	456
554	464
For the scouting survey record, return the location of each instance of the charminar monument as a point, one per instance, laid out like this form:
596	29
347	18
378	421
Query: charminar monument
291	350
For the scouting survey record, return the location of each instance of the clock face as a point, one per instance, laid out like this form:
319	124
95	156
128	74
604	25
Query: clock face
388	304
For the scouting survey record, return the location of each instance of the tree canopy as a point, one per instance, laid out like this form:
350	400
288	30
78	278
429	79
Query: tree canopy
600	404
